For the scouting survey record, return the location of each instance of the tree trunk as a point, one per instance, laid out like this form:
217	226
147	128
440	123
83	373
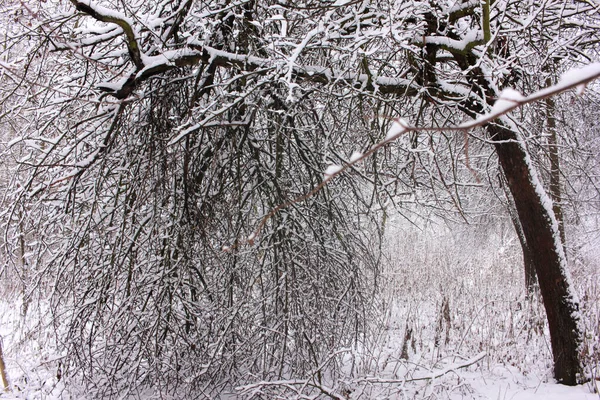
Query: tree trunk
543	240
528	264
3	375
554	188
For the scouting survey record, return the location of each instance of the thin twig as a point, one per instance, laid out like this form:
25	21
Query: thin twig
431	376
586	75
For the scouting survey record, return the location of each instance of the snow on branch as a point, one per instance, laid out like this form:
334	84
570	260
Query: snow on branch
298	385
511	99
432	375
199	54
471	39
196	53
508	100
104	14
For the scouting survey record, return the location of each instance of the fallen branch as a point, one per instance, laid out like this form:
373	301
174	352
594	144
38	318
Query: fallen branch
296	385
431	376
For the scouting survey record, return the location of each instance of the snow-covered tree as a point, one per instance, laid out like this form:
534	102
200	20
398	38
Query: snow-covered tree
157	135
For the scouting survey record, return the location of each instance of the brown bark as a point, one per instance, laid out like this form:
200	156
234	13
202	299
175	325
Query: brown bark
3	369
528	265
554	188
543	240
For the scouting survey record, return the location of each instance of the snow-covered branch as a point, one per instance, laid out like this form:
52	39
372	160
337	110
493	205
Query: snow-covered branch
295	385
196	54
104	14
432	375
508	101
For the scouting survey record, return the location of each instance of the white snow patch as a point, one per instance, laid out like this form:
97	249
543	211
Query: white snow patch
399	126
512	95
167	58
460	45
113	86
577	75
332	170
86	162
355	156
509	98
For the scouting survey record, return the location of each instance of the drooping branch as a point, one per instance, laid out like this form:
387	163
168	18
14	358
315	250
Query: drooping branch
576	78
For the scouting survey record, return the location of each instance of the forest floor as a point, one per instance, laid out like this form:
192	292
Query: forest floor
453	325
33	366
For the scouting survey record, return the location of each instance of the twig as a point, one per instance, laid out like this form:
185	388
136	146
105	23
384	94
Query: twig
431	376
584	76
290	384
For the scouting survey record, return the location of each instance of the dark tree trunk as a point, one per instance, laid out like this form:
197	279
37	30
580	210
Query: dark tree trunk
528	264
554	188
543	240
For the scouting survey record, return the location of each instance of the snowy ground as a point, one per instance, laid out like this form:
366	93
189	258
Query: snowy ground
33	366
488	343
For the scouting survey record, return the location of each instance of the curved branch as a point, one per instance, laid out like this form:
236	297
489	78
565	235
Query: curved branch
197	54
576	78
107	15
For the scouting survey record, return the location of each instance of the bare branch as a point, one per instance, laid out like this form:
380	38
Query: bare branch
576	78
433	375
106	15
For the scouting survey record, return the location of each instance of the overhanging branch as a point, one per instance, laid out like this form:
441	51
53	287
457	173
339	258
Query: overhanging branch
577	78
107	15
197	55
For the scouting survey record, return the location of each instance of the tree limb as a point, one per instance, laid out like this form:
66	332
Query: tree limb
106	15
576	78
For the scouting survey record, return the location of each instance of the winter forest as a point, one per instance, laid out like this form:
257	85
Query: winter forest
308	199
